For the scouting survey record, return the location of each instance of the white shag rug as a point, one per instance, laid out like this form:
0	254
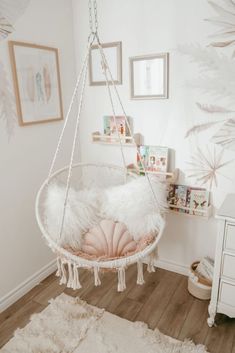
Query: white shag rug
70	325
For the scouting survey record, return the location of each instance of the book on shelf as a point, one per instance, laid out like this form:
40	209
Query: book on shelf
154	158
177	196
187	199
180	197
171	195
116	126
199	201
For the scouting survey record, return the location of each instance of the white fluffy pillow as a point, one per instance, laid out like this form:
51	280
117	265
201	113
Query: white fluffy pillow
133	204
81	214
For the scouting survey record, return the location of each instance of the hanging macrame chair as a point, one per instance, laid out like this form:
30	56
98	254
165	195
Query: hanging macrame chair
81	176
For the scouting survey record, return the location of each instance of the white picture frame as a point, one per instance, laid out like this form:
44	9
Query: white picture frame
149	76
113	54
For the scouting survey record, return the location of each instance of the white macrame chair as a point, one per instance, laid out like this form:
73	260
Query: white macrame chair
86	175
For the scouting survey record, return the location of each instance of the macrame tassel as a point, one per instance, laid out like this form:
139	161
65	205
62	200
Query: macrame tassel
63	279
70	279
121	279
76	283
96	277
140	273
151	259
59	271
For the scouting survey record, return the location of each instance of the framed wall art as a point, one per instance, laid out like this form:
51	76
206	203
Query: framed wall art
113	54
149	76
36	77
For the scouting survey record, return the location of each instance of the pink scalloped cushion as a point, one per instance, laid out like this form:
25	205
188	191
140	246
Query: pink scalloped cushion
108	239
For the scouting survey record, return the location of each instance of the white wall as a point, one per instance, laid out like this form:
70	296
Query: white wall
146	27
25	159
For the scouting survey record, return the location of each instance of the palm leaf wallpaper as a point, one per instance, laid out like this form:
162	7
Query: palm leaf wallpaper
10	11
216	80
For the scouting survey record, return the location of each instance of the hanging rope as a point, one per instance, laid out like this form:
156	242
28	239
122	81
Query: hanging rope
125	115
114	114
74	146
84	63
83	75
67	116
93	23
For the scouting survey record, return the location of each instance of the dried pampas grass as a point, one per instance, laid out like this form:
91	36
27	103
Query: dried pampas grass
7	103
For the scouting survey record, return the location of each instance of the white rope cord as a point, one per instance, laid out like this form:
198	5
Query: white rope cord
74	146
126	119
70	108
113	109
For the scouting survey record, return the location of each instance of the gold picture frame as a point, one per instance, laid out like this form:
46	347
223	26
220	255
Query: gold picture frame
149	76
37	85
113	54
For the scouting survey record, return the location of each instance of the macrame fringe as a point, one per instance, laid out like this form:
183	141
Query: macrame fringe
63	279
59	271
151	258
121	279
76	282
70	279
73	275
70	276
96	277
140	273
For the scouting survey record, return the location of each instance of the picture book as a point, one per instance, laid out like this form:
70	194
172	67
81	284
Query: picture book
112	128
171	195
180	197
188	198
199	200
154	158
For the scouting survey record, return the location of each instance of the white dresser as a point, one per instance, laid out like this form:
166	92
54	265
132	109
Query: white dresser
223	289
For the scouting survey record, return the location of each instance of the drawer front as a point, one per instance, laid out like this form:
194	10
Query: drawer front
227	293
230	237
228	267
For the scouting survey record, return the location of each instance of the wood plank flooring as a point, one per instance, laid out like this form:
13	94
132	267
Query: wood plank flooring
162	302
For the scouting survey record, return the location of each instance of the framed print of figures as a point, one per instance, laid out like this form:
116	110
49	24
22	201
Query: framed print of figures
113	54
36	77
149	76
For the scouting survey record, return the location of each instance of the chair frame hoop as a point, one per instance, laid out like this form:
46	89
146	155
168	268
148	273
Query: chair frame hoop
80	261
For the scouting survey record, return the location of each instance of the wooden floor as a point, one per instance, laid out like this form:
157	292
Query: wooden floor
163	302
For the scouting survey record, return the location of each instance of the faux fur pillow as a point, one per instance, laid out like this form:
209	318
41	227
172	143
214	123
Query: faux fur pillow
133	204
81	214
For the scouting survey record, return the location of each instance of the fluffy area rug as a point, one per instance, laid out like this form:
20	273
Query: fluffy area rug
71	325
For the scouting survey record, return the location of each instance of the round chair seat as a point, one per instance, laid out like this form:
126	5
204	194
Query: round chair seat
110	240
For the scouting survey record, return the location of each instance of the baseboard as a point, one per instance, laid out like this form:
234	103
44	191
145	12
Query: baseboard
27	285
172	266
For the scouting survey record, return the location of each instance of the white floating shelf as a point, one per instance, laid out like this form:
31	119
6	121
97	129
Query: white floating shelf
206	214
98	138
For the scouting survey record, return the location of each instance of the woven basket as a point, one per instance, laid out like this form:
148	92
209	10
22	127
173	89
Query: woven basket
198	286
201	279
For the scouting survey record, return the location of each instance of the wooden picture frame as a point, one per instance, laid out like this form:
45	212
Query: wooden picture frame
149	76
36	78
113	54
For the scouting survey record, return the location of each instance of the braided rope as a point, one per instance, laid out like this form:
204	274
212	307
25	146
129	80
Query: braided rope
126	119
69	110
74	146
113	109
